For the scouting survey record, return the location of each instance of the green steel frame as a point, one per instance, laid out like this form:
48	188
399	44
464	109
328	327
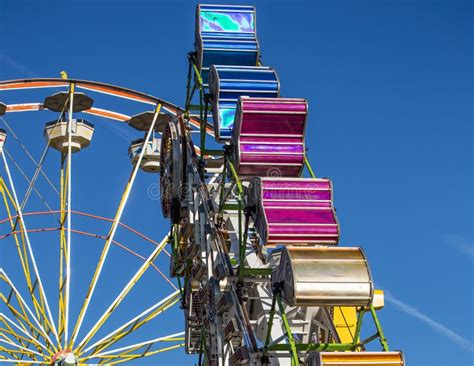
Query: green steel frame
292	346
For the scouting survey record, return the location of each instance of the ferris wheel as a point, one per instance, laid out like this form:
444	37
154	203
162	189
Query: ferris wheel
251	260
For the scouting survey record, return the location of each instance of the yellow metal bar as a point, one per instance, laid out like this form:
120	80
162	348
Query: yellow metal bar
111	234
129	357
345	322
4	190
10	352
146	345
140	317
122	295
14	311
34	332
23	256
20	317
20	349
30	338
18	338
3	349
24	262
68	242
20	300
136	325
22	340
108	358
18	352
62	252
362	358
39	307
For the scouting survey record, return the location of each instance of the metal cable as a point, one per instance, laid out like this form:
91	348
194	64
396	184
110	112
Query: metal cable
29	154
28	180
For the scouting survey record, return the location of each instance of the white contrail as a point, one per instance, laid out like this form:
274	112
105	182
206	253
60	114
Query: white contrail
462	244
24	70
440	328
120	131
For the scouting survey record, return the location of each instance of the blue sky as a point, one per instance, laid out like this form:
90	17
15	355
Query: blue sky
389	85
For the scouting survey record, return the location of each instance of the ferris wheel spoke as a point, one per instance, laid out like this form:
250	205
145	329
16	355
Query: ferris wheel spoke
32	187
23	341
20	349
30	249
29	339
130	357
124	352
132	282
62	252
40	328
7	322
68	244
113	230
6	360
134	323
155	267
21	318
21	246
10	352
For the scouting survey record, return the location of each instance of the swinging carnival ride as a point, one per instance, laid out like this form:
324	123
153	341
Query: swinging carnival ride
253	245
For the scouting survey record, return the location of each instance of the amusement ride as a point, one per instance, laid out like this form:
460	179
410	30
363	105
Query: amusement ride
255	267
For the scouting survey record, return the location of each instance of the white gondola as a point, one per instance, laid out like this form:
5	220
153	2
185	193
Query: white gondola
57	134
151	157
3	137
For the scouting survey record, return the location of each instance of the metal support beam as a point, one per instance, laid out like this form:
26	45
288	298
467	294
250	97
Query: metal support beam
30	249
112	231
